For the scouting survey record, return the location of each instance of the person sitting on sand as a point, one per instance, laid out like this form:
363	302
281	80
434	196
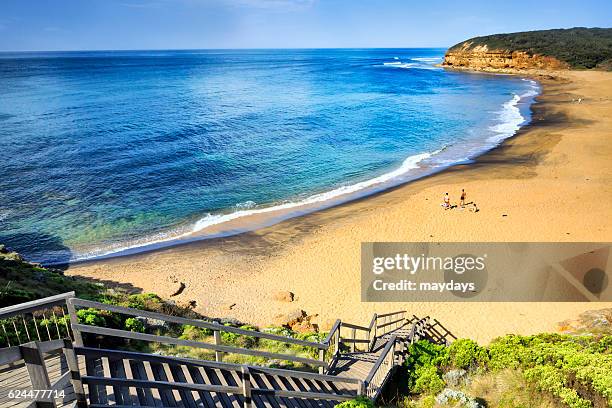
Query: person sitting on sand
474	208
462	200
446	203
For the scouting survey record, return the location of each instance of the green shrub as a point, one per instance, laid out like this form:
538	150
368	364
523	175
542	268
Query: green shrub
134	325
91	317
240	340
551	379
466	353
359	402
428	380
312	337
504	352
195	333
423	354
144	301
427	402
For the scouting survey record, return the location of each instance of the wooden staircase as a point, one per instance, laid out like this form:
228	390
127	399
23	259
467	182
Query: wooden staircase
353	360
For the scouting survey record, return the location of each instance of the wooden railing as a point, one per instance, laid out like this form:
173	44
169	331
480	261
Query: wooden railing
45	389
388	322
59	314
39	320
441	334
218	347
392	356
361	338
245	387
382	369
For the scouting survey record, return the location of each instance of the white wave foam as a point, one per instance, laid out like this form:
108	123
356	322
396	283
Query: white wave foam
186	233
246	204
427	59
410	163
510	121
4	214
510	116
407	65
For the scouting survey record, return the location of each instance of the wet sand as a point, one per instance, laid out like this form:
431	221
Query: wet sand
553	182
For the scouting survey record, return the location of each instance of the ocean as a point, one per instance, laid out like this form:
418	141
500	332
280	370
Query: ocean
112	152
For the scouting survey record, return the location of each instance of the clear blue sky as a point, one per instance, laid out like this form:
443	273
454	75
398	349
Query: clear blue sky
165	24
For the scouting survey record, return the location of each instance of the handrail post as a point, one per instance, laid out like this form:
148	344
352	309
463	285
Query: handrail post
354	335
402	350
217	336
362	388
246	386
373	328
322	358
74	320
337	340
37	371
75	373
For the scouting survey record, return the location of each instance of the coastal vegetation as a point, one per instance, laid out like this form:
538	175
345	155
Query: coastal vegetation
22	281
580	48
544	370
573	370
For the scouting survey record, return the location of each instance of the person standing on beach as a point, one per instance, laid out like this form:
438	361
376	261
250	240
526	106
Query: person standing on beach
462	200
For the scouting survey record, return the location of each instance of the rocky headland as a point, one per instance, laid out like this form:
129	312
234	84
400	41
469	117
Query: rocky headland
576	48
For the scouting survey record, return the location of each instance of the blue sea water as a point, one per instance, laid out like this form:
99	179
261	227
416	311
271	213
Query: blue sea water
103	151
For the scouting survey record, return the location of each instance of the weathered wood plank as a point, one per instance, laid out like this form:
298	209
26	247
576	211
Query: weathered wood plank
151	377
210	399
237	400
110	391
261	384
132	394
159	375
190	343
213	378
193	322
188	398
93	391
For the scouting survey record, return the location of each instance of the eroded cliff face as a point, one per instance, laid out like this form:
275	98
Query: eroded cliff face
480	57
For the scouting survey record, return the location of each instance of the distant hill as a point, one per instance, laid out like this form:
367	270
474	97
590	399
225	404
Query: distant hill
577	48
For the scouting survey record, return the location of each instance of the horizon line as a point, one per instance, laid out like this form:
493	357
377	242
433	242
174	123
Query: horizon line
220	49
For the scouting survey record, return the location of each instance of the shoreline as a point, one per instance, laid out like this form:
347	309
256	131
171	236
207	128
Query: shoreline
316	256
241	221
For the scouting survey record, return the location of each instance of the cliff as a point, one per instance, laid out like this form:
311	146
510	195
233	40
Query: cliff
576	48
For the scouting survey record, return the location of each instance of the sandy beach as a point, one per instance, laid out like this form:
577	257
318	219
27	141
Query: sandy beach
551	182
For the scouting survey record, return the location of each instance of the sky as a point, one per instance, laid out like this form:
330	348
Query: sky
45	25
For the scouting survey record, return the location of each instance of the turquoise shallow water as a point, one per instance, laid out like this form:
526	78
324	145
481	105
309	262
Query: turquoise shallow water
103	151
